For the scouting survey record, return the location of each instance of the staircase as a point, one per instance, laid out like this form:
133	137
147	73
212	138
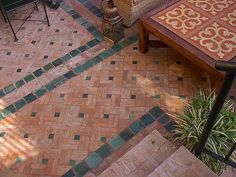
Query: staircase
154	156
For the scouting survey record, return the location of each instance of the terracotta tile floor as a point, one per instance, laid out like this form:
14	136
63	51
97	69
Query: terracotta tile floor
48	134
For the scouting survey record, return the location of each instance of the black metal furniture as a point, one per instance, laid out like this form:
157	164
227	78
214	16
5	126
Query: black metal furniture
8	6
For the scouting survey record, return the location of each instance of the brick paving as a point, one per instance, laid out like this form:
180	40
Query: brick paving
52	124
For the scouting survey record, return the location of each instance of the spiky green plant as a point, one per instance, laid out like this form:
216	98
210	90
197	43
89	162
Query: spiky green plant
190	125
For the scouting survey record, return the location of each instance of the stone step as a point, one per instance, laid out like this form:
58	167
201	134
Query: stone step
182	163
143	158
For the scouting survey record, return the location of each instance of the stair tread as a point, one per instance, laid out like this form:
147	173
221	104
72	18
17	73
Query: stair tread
182	163
143	158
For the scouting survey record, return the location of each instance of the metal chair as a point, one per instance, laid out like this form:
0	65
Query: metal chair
7	6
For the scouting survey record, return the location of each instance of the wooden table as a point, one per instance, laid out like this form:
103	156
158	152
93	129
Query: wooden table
201	31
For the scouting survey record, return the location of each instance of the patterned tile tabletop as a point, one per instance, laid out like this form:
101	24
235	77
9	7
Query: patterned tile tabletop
209	25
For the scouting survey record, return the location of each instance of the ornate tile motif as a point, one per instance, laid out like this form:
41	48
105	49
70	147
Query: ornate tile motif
217	39
212	6
230	18
208	25
183	18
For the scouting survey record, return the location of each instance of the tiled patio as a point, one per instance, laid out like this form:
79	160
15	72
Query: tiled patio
65	91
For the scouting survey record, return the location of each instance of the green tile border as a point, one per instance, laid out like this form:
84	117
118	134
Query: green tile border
51	65
94	159
82	21
57	62
92	8
61	79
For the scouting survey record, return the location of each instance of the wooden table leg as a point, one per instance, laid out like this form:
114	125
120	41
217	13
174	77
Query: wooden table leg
143	38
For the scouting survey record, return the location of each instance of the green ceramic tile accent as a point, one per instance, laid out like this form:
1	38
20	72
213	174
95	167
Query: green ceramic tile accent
75	16
81	168
104	151
106	116
170	126
5	112
136	127
93	160
133	38
69	173
20	103
126	134
92	43
77	137
26	135
96	60
33	114
83	48
131	117
72	162
9	88
157	62
48	67
2	115
105	54
30	98
38	72
56	114
50	86
29	78
51	136
78	69
18	160
156	78
11	108
44	161
66	58
19	83
61	79
81	20
74	53
57	62
182	97
157	96
40	92
156	112
88	78
117	47
116	142
2	134
164	119
91	29
2	94
124	43
108	95
81	115
69	75
103	139
98	35
87	65
147	119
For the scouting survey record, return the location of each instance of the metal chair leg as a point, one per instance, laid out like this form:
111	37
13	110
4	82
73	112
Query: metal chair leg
8	20
36	6
3	15
45	11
